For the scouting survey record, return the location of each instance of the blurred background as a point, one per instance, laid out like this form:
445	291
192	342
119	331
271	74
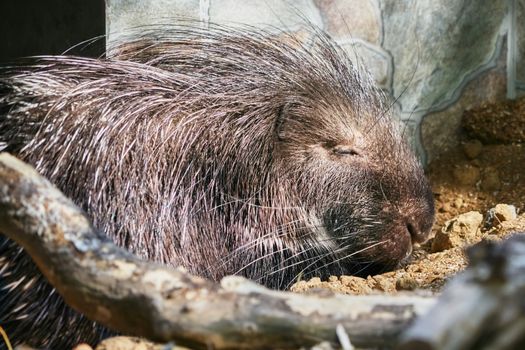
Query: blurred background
50	27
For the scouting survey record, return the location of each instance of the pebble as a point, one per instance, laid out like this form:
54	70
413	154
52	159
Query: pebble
499	214
82	347
458	231
406	283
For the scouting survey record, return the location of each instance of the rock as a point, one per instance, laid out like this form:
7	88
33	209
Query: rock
467	175
280	15
303	286
315	281
505	212
338	284
520	37
258	13
406	283
472	149
458	232
499	214
82	347
132	343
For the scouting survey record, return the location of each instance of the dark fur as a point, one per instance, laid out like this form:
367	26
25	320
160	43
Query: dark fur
224	151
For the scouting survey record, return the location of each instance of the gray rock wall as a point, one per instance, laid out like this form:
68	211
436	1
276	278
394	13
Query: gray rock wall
435	57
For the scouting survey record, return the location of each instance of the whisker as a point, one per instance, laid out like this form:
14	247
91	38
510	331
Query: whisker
274	235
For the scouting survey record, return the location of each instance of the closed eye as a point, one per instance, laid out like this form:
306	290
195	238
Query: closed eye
344	150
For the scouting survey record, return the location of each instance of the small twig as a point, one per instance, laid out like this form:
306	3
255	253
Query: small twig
343	338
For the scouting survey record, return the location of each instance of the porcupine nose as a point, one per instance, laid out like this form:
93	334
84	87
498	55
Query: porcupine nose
419	220
417	212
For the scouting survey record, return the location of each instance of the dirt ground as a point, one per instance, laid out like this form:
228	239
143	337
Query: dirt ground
479	191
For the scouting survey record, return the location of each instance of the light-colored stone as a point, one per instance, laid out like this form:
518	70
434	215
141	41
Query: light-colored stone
273	15
82	347
458	231
505	212
382	283
355	285
500	213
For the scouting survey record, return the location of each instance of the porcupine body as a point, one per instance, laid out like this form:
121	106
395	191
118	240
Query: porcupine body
226	151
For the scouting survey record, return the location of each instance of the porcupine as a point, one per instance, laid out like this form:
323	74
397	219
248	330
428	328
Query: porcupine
226	151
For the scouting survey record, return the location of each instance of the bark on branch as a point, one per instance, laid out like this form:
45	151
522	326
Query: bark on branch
112	286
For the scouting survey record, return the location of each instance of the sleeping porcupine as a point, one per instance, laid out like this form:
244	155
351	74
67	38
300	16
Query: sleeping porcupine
226	151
